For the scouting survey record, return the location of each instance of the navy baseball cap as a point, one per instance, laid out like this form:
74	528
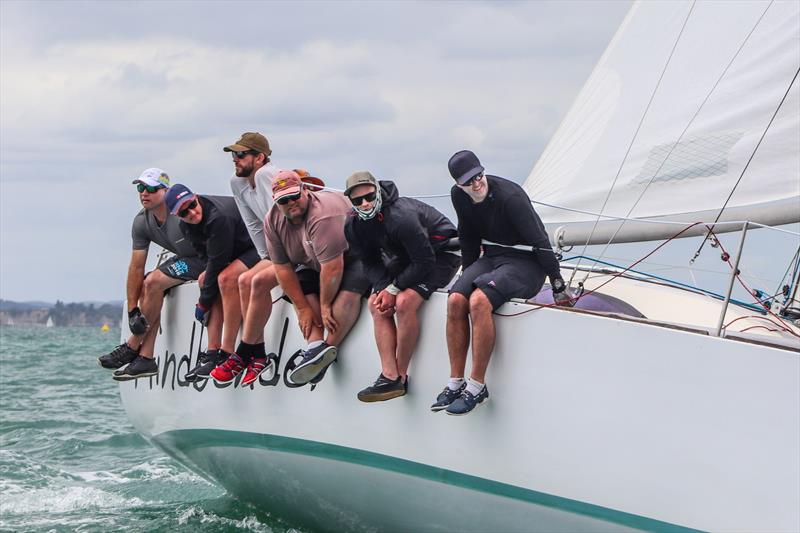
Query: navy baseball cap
463	166
176	196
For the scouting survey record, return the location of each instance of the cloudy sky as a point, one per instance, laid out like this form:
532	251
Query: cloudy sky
91	93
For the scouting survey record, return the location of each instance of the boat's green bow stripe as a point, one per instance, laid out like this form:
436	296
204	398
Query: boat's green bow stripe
189	439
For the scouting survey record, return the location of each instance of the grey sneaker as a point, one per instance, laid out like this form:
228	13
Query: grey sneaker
314	362
446	397
141	367
206	362
383	389
467	402
120	356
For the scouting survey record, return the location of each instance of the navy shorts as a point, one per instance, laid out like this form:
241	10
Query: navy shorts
502	275
446	267
353	278
183	268
250	258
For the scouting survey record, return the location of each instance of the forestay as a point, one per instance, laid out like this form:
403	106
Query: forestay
692	103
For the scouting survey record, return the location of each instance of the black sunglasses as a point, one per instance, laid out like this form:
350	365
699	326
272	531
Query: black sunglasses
141	187
283	200
241	155
370	197
185	211
473	179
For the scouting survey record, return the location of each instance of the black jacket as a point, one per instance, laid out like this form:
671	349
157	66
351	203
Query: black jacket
219	239
404	237
505	217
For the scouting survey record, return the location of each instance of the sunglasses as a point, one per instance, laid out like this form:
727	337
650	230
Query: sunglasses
241	155
185	211
141	187
357	200
473	179
283	200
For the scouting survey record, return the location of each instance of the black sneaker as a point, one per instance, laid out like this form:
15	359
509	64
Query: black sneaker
383	389
314	362
446	397
141	367
206	362
121	356
467	402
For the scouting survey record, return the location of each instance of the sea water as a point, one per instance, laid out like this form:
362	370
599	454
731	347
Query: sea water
71	461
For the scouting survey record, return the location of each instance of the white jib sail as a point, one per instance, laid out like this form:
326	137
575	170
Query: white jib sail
692	103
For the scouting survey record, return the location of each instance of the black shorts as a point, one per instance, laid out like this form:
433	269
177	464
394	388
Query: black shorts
502	275
183	268
353	278
250	258
446	267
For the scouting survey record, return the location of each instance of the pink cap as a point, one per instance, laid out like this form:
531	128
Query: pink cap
286	183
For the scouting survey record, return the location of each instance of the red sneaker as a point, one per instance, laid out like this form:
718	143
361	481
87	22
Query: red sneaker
254	369
227	371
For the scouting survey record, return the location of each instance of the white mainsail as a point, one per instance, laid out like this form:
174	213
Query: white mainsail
693	106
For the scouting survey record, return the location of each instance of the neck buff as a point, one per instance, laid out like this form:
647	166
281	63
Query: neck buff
370	213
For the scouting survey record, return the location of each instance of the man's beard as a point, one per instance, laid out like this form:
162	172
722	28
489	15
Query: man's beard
245	172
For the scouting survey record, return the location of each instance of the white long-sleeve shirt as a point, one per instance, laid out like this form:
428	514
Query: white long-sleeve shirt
254	203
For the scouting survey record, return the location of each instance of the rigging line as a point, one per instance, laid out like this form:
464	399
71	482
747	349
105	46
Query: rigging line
688	125
764	134
638	127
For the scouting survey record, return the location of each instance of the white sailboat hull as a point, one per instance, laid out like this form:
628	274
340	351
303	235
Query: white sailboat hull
593	423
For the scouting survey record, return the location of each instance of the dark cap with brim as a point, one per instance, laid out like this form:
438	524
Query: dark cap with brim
359	178
464	166
177	195
250	141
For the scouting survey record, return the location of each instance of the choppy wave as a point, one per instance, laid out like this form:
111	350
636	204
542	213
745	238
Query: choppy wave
69	459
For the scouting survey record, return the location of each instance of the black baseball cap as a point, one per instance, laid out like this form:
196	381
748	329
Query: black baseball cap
464	166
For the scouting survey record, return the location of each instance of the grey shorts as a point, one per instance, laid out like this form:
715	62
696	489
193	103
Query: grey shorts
502	275
250	258
183	268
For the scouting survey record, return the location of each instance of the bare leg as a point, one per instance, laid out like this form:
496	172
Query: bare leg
229	293
407	305
260	307
483	334
214	328
150	304
457	333
317	334
385	338
346	308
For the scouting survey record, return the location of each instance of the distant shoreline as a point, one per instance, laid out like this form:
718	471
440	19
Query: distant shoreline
59	314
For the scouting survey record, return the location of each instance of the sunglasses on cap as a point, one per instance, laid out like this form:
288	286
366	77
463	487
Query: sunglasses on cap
141	187
357	200
185	211
473	179
241	155
283	200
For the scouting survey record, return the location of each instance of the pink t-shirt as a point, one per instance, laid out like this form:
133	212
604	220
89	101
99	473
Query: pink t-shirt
319	238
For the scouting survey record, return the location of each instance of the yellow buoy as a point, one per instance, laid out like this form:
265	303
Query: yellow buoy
105	327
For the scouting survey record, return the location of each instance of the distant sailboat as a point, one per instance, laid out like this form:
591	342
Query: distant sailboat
49	322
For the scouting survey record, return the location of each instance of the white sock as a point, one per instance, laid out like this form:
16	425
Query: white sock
474	387
455	383
314	344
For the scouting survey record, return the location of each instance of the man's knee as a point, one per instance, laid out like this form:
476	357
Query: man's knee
228	280
245	280
157	282
457	305
265	280
407	304
479	302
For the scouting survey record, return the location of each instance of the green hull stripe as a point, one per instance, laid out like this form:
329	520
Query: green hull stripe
189	439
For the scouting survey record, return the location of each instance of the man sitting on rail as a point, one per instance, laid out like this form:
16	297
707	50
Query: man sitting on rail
497	214
146	291
215	228
305	228
402	243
